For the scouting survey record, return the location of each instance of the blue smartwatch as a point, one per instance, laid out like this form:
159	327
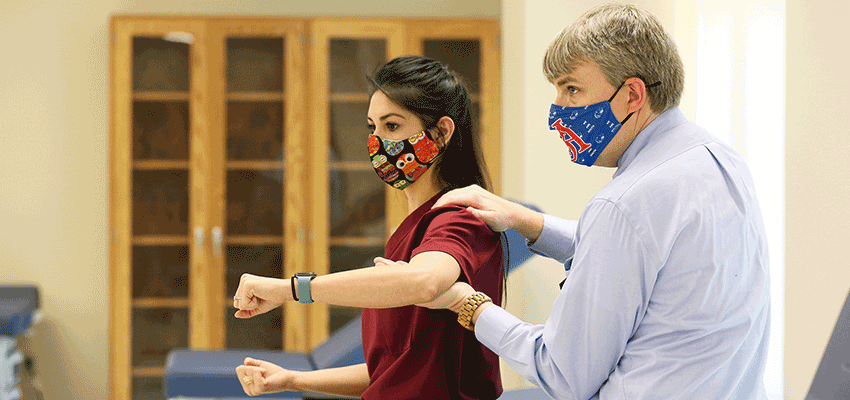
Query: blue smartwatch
303	281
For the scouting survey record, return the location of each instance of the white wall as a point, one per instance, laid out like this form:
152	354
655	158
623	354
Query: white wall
54	159
817	190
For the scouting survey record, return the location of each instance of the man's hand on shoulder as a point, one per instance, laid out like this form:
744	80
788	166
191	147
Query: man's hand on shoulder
499	214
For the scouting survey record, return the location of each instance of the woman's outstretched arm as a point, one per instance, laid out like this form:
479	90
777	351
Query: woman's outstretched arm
383	286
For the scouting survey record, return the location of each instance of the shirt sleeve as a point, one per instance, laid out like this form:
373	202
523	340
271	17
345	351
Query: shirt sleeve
456	232
557	239
594	315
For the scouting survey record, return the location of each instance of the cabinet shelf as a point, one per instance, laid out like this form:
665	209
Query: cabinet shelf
351	165
160	165
255	165
161	240
350	241
254	240
161	302
255	96
351	97
161	96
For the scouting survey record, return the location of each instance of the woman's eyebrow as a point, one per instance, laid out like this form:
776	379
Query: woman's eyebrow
392	114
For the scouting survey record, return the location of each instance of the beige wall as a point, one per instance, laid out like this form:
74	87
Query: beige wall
54	166
817	189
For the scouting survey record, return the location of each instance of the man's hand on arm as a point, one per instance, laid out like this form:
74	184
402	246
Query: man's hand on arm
499	214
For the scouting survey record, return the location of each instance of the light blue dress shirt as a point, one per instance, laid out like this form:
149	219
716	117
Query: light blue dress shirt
668	294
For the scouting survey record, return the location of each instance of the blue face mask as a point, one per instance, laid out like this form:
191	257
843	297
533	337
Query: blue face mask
587	130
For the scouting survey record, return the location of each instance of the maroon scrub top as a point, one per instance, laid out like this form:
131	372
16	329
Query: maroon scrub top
414	352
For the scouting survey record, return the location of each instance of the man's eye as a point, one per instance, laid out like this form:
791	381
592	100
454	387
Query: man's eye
572	89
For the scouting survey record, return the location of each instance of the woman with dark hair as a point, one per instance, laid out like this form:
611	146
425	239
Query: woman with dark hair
423	143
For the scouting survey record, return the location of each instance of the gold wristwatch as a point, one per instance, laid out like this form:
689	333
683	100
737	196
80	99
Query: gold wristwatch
464	317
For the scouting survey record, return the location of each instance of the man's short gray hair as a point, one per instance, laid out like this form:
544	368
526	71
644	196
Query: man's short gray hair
623	41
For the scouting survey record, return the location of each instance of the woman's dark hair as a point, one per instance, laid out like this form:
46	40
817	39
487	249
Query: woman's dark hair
429	90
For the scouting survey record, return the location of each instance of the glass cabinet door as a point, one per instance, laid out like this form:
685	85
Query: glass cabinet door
155	181
258	227
351	202
161	198
254	177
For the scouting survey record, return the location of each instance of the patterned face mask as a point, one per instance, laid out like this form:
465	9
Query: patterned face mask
401	162
587	130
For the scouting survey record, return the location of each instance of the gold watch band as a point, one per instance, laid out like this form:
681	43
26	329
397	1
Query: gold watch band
464	317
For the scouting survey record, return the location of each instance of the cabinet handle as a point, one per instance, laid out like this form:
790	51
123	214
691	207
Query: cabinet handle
199	240
217	238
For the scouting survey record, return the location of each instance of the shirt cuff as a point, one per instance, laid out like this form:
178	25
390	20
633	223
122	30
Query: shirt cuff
556	241
492	324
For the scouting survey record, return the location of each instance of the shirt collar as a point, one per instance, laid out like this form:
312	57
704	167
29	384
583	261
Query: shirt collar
667	120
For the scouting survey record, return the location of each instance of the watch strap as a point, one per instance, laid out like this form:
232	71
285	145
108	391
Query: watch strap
292	286
303	282
464	317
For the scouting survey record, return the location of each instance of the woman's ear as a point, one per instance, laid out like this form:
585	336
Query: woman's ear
445	128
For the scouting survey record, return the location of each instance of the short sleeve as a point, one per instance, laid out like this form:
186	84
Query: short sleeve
455	231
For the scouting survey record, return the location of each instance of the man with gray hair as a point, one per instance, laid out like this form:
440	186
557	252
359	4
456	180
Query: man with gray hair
668	292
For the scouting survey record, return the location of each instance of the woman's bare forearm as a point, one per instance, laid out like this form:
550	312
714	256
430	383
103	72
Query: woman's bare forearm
343	381
427	275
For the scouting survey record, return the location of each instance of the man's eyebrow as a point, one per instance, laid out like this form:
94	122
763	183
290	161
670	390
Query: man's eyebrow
563	81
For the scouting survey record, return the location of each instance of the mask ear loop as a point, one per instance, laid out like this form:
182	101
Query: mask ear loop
440	145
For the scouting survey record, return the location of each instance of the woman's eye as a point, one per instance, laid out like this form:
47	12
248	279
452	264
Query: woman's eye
392	126
371	128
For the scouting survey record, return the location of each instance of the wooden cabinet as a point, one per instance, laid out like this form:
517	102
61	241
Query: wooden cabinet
238	145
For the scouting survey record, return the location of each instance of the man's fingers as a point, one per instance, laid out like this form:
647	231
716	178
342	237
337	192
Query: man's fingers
383	261
467	196
491	218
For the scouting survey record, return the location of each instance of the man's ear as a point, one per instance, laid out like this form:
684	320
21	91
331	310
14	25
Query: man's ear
638	95
445	128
